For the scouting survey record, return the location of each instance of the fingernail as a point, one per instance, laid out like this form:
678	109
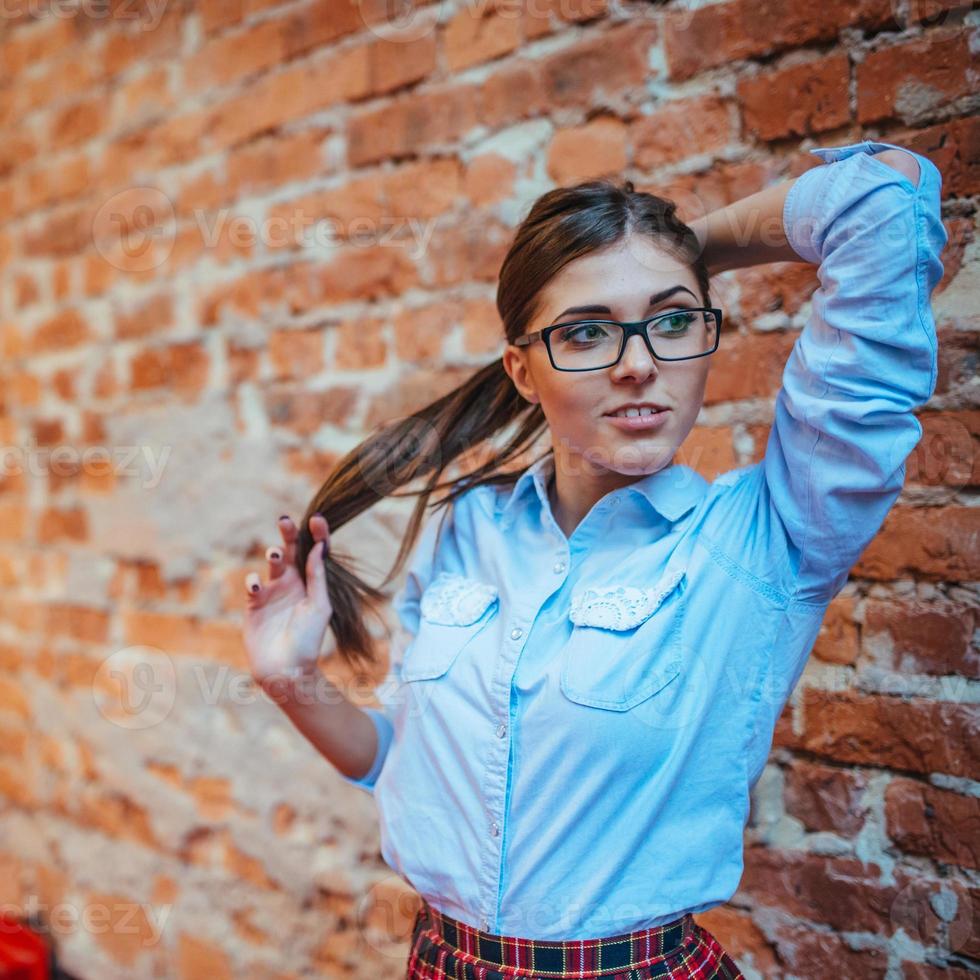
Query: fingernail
253	588
284	517
275	554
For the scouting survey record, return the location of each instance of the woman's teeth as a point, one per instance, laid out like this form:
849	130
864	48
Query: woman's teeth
631	412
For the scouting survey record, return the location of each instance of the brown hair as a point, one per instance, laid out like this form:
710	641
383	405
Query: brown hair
562	224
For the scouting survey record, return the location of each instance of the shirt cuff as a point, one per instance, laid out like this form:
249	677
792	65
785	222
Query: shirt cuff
808	198
385	731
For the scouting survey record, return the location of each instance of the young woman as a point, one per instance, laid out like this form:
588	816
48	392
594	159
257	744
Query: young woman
592	654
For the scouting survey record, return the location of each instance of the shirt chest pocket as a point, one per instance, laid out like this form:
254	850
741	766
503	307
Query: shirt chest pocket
452	610
625	644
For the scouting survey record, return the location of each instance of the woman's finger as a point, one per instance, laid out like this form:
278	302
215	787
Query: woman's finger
253	586
288	532
316	576
320	530
276	564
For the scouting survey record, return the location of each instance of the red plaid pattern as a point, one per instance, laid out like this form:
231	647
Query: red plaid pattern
443	948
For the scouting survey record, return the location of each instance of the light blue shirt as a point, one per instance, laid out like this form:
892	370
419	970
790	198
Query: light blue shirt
571	726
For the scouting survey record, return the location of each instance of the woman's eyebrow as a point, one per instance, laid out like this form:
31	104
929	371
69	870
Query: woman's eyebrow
654	299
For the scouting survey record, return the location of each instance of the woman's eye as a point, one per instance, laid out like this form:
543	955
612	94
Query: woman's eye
583	332
677	322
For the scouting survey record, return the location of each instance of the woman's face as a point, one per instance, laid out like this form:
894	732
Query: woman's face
618	284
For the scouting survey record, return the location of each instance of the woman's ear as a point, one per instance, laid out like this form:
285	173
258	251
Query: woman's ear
516	366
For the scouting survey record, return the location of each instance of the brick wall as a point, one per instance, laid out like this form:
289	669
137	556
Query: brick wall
237	234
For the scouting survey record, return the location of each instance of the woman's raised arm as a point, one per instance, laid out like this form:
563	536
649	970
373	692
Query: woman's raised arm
844	419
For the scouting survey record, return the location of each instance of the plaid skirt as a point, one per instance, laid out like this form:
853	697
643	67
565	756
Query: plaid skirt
444	948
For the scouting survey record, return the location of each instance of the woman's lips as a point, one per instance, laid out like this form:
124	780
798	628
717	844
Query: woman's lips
639	422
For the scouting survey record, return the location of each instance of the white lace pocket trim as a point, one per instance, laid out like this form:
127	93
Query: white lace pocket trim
620	607
455	600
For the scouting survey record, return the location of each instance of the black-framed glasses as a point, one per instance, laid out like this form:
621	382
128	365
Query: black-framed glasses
588	345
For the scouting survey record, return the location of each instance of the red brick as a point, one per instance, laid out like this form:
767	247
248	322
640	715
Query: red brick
934	542
481	33
844	893
393	64
218	15
427	189
911	79
715	187
320	23
884	731
489	178
56	524
957	357
472	248
708	450
679	129
181	366
38	43
837	638
797	101
948	454
512	93
197	957
933	822
420	333
67	232
233	57
921	637
825	798
418	122
360	345
747	365
804	951
296	353
610	64
305	412
123	47
150	317
544	17
913	970
785	286
720	33
66	329
412	391
596	149
281	97
954	147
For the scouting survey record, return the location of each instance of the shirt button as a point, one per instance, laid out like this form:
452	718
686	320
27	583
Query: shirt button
494	830
516	634
484	925
501	731
559	567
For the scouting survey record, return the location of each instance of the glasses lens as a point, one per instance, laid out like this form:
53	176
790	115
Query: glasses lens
683	333
582	345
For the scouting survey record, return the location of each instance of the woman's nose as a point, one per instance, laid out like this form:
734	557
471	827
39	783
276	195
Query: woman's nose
636	360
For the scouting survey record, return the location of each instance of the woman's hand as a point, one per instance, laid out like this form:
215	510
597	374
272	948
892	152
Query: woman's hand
284	621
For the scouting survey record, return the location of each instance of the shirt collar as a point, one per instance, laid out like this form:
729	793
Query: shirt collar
671	491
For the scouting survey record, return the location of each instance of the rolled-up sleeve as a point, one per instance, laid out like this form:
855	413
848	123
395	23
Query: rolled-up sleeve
865	360
406	607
